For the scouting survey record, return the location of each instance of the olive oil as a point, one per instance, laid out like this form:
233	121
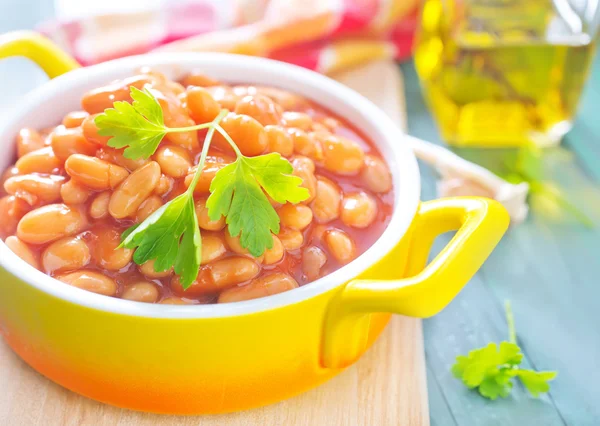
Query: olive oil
502	72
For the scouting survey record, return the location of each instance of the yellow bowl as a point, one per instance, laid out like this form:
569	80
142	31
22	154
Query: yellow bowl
220	358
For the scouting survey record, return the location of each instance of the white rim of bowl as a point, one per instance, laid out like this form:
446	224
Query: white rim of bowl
402	163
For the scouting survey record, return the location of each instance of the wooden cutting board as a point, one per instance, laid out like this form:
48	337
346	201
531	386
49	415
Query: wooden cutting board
386	387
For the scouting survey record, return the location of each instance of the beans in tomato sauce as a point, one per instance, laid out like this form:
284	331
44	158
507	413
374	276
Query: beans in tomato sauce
68	197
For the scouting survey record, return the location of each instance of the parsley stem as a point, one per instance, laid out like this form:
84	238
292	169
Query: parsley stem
189	128
207	140
510	319
229	140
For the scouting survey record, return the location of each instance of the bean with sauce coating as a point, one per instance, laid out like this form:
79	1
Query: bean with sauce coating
51	222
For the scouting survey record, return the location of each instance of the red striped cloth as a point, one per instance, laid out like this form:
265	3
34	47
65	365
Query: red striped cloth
323	35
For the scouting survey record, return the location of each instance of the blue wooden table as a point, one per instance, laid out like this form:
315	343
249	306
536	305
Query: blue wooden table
548	267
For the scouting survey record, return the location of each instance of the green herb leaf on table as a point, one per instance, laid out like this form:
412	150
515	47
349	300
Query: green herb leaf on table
490	369
138	127
236	194
536	382
171	235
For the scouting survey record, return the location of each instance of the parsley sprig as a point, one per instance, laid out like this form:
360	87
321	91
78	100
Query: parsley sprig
171	235
491	369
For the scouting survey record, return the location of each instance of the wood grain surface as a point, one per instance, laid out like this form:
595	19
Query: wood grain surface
387	386
548	267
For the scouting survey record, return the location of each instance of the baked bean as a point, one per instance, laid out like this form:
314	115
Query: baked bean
90	281
241	90
105	253
291	239
164	185
94	173
44	188
174	161
287	100
260	287
175	88
183	100
175	115
12	209
66	142
141	291
304	168
326	205
218	275
201	105
41	160
358	210
376	175
51	222
247	133
116	156
279	140
90	131
156	76
317	233
8	173
204	220
259	107
148	270
295	216
302	162
341	155
232	270
219	157
331	123
97	100
213	247
28	140
22	250
235	246
318	127
74	193
66	254
175	301
74	119
99	207
313	260
148	206
340	245
134	190
275	254
208	173
198	79
224	96
299	120
305	144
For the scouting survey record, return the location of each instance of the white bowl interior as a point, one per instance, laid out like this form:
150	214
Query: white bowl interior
46	106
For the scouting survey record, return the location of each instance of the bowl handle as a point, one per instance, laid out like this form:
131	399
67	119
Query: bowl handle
480	223
39	49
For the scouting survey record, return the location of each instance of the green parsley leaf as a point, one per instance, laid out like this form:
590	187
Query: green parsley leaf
483	363
490	369
139	126
496	385
236	194
536	382
171	236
